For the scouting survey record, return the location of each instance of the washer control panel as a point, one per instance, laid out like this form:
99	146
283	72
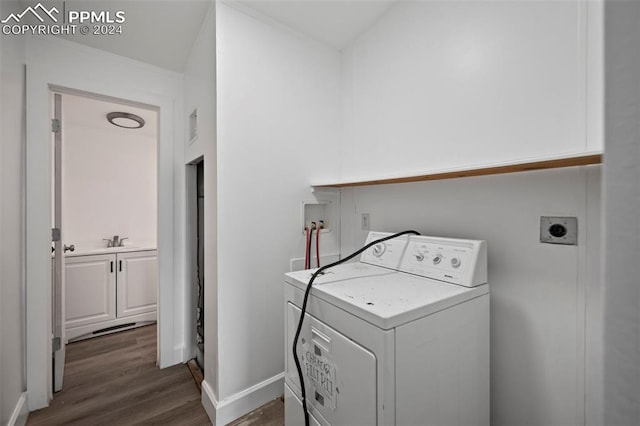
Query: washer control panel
456	261
431	259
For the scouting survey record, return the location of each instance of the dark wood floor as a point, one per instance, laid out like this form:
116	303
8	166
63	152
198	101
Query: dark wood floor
270	414
113	380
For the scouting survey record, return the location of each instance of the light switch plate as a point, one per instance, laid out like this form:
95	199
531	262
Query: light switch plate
559	230
364	221
193	126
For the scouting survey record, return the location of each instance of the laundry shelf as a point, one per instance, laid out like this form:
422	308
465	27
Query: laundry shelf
583	159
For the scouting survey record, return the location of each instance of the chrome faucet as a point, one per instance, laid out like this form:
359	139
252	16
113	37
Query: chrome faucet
116	241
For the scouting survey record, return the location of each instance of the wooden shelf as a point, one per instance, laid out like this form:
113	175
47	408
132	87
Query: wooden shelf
542	164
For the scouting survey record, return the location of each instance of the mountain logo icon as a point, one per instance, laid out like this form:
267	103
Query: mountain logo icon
34	11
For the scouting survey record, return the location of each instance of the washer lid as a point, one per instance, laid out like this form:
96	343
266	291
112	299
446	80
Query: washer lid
346	271
383	297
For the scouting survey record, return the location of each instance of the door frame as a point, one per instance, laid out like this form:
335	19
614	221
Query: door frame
58	279
63	66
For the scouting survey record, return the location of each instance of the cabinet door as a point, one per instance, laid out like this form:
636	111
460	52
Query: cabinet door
90	289
137	282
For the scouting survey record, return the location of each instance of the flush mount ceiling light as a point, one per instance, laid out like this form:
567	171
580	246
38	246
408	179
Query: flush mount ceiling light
125	119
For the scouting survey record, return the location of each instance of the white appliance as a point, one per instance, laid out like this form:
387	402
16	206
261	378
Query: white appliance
400	337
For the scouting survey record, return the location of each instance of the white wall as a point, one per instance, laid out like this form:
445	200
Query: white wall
451	84
436	85
539	305
200	94
278	129
12	133
52	61
110	183
621	207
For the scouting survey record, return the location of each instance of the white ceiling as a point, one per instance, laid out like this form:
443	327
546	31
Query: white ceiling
92	113
158	32
162	32
335	22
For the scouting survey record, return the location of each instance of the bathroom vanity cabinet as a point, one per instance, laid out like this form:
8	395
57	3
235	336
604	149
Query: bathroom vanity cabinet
109	291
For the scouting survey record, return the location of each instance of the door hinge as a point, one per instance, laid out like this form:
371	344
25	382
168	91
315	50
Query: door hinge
55	234
55	125
55	344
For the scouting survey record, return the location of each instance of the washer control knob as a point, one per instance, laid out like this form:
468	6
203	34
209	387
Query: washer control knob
419	257
437	259
379	249
455	262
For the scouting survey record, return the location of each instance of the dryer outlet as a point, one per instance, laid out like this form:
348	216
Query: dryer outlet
559	230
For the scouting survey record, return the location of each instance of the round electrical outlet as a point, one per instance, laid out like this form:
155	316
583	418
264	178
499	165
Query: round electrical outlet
557	230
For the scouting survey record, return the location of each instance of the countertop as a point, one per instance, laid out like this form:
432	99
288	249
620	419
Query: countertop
86	251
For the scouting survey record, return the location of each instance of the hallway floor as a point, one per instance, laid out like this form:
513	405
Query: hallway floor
113	380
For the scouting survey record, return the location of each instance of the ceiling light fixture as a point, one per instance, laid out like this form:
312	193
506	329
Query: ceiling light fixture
125	120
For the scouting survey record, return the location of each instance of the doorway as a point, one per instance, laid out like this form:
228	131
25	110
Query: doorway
105	219
196	237
63	68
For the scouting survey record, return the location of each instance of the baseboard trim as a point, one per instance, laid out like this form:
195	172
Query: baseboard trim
20	412
179	355
209	401
241	403
74	334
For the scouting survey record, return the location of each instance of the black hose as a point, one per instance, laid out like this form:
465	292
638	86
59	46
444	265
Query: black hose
304	310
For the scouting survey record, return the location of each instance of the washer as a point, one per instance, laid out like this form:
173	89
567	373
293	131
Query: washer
400	337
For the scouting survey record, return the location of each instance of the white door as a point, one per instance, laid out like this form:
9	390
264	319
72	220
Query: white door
137	283
58	299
